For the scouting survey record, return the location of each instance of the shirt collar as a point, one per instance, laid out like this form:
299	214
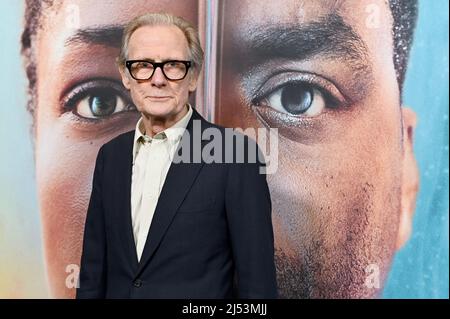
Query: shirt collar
173	133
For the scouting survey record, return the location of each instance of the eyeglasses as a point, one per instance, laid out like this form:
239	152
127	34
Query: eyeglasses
173	70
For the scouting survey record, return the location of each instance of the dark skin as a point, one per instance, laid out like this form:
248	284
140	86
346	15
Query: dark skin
344	193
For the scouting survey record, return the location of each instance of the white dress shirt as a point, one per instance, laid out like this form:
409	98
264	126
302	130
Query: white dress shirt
151	162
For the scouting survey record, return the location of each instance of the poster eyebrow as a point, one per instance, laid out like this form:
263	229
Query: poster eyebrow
109	35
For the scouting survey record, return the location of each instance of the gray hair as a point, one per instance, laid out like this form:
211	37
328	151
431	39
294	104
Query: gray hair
158	19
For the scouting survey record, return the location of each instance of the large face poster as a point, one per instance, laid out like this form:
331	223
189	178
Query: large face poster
358	91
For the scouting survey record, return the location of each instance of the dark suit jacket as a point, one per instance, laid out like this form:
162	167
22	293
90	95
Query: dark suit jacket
211	235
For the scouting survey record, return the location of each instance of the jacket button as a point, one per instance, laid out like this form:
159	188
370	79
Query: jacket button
137	283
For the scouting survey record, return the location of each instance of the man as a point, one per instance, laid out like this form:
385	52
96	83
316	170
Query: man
191	225
316	253
328	75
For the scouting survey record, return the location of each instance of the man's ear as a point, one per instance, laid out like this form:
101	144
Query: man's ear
410	178
125	78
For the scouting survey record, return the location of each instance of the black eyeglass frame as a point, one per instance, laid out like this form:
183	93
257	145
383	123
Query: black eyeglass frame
156	65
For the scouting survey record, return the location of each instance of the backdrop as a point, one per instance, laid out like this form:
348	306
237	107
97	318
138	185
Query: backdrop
36	192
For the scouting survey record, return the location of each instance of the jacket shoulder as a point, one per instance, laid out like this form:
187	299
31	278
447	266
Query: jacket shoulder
120	142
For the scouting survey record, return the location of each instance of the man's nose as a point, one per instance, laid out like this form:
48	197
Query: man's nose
158	79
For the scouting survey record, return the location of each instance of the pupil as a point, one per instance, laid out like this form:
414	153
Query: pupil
102	104
296	99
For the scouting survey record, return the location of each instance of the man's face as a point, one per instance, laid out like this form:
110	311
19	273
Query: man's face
322	73
159	97
81	104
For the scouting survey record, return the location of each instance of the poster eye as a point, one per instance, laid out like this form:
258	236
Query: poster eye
101	104
296	99
98	99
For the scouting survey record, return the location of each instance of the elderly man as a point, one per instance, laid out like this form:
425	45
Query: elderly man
160	228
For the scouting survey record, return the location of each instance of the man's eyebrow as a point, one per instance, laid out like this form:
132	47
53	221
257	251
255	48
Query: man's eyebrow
110	35
329	36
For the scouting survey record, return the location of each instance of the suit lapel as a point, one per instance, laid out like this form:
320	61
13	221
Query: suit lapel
125	210
179	180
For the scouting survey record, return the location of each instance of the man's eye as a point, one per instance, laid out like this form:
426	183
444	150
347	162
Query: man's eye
144	65
174	64
98	99
296	99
